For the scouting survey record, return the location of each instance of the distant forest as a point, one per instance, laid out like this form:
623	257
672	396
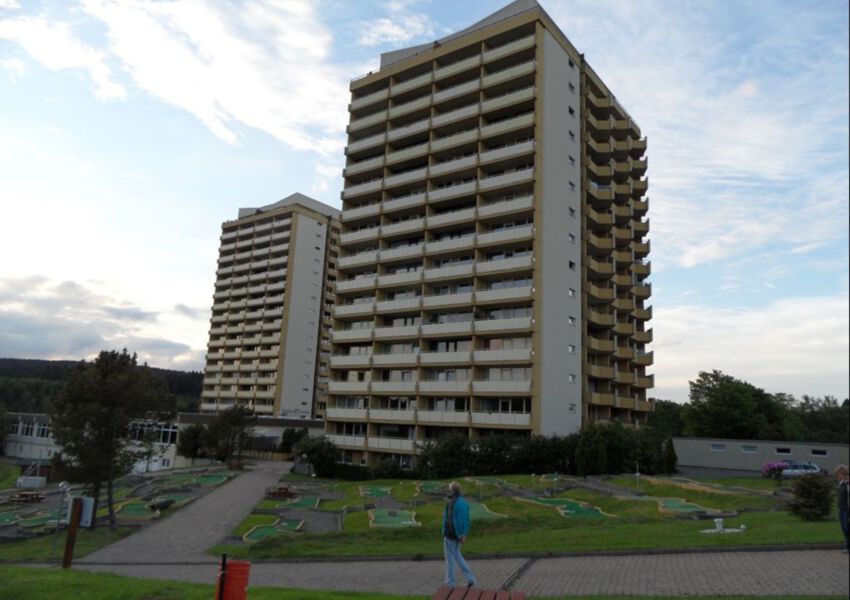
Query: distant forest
26	385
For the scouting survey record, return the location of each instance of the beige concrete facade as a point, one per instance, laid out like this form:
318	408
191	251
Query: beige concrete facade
269	346
491	271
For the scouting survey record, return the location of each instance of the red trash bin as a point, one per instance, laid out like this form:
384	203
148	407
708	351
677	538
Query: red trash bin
232	581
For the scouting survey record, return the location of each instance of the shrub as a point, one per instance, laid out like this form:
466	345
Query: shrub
387	468
320	452
812	499
668	457
773	470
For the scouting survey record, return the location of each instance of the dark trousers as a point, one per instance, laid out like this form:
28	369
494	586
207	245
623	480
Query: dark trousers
843	517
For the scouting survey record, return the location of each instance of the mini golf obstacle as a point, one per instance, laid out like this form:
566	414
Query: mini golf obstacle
433	487
490	480
279	527
690	484
301	502
480	512
392	519
570	508
682	506
213	479
375	491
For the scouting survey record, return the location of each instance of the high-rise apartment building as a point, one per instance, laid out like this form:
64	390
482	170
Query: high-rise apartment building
492	270
269	346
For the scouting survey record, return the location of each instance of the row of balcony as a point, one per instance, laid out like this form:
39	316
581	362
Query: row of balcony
250	248
437	96
263	288
441	72
518	324
616	401
429	387
250	231
245	341
517	356
253	278
248	303
468	242
453	140
407	305
429	417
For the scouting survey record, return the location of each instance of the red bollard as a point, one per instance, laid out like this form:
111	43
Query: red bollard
232	580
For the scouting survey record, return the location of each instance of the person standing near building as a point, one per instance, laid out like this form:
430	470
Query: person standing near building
455	530
843	476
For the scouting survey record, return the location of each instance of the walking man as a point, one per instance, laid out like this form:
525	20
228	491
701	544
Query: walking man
455	530
843	476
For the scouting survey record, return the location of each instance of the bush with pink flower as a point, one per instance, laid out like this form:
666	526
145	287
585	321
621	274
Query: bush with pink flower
773	470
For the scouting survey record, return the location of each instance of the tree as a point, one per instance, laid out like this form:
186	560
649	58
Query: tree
812	499
665	420
668	457
724	407
92	414
320	452
227	434
190	442
290	437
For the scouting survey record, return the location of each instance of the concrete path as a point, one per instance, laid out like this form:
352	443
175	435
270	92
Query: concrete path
776	573
183	536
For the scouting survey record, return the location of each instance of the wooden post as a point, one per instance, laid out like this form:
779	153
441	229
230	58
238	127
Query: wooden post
76	513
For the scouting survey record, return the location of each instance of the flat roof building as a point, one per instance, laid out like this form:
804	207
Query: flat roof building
269	346
493	254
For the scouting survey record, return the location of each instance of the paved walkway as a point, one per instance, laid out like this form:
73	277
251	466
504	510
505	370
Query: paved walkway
776	573
183	536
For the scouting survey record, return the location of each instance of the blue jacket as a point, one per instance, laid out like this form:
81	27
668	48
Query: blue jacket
460	518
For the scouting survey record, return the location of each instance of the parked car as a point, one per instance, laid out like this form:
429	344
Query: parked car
798	469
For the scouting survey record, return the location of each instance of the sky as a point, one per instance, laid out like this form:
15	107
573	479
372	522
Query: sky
130	130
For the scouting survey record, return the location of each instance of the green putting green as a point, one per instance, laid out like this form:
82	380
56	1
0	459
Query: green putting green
433	487
37	521
571	508
683	506
480	512
385	517
263	532
211	479
7	518
178	498
175	479
301	502
135	510
491	480
375	491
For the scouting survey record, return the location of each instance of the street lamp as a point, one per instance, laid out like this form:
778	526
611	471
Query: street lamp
64	488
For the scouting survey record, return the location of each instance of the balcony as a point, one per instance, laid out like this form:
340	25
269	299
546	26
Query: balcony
508	49
400	253
455	115
442	417
600	372
359	283
406	177
601	244
452	191
396	279
450	245
407	359
402	305
507	125
404	202
393	387
452	218
409	107
600	346
362	166
444	387
457	90
394	416
390	333
639	207
600	219
450	166
348	387
501	419
444	358
601	399
509	73
644	360
504	236
407	130
600	294
351	335
361	235
361	212
451	141
624	304
358	260
642	269
641	249
503	325
512	356
347	441
447	300
506	207
643	405
643	337
507	179
369	142
643	291
394	444
642	314
352	310
640	228
506	265
503	295
601	269
348	361
600	319
331	412
624	402
624	328
501	387
457	67
411	84
361	101
367	121
506	100
624	353
450	272
645	382
600	193
441	329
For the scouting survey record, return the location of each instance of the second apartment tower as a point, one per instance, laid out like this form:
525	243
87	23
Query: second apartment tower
492	271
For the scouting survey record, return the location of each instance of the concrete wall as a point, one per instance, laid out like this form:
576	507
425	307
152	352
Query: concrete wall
560	394
750	455
306	271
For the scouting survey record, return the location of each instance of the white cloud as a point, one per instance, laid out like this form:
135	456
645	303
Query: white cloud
258	64
10	4
397	29
13	66
54	46
795	345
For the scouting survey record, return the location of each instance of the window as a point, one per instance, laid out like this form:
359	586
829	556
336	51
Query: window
571	349
572	186
572	378
749	449
572	212
571	320
572	161
572	111
572	265
819	452
571	238
572	64
572	407
572	136
717	447
572	88
571	292
783	451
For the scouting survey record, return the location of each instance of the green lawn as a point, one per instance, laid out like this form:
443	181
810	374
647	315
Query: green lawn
39	549
8	475
713	500
754	483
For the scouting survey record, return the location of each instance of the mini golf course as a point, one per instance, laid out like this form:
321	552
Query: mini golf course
384	517
279	527
570	508
375	492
